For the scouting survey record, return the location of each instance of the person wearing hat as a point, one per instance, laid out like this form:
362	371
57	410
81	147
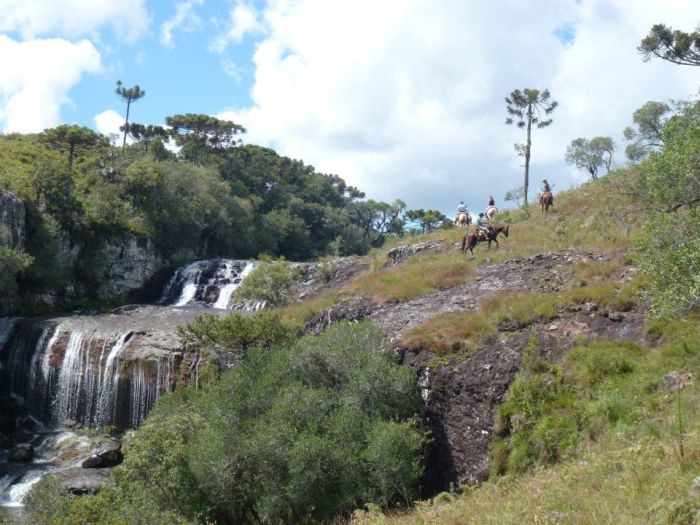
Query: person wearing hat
482	224
545	186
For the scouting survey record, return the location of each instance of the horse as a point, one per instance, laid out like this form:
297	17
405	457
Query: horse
546	200
470	240
490	212
463	219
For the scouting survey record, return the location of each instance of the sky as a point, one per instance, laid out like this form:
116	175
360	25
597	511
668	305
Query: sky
402	98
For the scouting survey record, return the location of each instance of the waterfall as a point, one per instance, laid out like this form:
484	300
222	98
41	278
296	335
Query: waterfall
69	374
209	283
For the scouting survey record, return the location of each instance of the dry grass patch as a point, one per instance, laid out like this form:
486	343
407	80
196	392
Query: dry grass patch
302	312
451	333
419	275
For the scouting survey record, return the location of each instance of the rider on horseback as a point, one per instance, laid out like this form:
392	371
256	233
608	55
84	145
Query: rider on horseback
462	208
482	228
545	186
491	208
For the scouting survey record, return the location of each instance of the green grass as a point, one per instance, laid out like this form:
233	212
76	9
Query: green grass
419	275
463	333
594	438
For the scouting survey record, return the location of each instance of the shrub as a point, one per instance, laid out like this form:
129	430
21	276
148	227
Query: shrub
236	333
269	281
12	263
288	435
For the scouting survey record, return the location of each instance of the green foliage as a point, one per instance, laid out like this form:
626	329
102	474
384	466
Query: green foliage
670	244
591	154
199	134
516	194
674	46
71	138
12	264
236	333
427	219
269	281
288	435
649	122
552	409
47	501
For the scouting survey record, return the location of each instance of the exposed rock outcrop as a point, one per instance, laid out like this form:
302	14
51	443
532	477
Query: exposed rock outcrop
12	221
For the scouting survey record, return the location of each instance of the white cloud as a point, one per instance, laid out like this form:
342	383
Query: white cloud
36	78
73	18
185	19
243	20
108	122
405	99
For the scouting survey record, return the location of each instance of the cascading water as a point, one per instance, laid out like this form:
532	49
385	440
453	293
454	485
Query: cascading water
65	374
208	283
100	370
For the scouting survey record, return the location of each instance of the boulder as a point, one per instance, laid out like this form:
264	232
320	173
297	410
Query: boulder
105	455
83	481
400	253
22	453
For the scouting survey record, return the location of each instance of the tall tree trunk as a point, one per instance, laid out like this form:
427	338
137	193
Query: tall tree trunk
71	152
528	144
126	122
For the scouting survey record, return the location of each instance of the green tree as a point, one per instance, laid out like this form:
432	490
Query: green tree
72	138
197	134
12	264
591	155
146	135
428	219
525	108
128	95
234	334
649	121
269	281
674	46
515	195
377	219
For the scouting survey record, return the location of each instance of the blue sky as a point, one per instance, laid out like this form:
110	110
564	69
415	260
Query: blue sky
402	98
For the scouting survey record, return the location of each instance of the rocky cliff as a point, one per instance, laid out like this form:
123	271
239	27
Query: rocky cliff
12	221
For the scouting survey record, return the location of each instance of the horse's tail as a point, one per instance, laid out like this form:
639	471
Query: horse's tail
464	243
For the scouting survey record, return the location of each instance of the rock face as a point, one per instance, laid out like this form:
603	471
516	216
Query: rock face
462	394
12	221
126	263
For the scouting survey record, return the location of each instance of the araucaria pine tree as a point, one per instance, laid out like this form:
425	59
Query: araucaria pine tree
525	108
128	95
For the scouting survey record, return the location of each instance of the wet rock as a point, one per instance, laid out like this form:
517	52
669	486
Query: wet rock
5	441
104	455
23	453
83	481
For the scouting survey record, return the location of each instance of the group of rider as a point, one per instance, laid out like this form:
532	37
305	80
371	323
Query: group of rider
482	222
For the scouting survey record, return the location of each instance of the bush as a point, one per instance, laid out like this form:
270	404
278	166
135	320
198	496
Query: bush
48	502
12	263
269	281
236	333
288	435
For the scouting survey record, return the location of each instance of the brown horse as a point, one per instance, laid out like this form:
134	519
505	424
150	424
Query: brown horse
470	240
546	200
463	219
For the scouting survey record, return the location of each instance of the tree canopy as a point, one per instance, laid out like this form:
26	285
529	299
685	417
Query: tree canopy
591	155
128	95
674	46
